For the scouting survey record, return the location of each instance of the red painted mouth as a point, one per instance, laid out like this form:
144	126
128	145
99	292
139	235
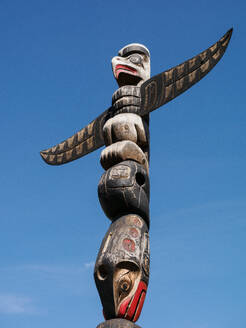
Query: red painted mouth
122	69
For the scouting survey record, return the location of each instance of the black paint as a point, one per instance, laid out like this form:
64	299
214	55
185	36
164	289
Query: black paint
123	189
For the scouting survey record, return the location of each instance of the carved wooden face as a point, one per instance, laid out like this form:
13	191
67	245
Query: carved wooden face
122	268
132	66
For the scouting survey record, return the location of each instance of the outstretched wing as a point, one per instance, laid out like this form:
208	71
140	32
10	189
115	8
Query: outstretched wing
83	142
155	92
164	87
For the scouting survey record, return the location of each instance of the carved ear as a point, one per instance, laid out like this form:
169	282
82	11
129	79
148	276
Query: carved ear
164	87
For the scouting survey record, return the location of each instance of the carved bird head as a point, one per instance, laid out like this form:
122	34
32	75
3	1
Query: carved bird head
132	65
122	268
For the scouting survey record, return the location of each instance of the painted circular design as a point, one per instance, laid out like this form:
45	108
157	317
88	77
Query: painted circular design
137	222
133	219
134	232
128	245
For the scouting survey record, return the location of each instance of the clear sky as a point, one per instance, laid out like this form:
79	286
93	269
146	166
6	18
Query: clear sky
55	77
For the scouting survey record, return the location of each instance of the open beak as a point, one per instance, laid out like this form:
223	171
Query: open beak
124	73
124	69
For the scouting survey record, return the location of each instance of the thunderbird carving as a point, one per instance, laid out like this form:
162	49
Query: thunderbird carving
146	94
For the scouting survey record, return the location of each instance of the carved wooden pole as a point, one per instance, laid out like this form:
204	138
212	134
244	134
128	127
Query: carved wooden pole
122	267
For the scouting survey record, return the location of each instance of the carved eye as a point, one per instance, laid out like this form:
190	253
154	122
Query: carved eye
125	285
125	277
136	59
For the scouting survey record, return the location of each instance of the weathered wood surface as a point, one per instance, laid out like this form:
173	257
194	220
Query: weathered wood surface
125	127
123	189
123	151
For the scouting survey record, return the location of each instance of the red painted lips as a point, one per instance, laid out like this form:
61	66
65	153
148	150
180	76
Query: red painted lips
124	68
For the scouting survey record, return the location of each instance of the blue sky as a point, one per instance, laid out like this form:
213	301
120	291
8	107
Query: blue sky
55	77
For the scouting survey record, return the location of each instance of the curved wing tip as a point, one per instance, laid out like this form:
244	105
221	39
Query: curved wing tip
230	31
44	156
227	37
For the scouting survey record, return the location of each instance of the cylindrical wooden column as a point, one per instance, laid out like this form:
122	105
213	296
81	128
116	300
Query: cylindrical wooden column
122	267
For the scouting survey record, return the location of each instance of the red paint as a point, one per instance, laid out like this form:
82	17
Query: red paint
123	307
142	287
139	307
122	68
129	245
131	308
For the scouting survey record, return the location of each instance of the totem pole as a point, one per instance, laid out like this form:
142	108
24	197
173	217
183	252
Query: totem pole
122	267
